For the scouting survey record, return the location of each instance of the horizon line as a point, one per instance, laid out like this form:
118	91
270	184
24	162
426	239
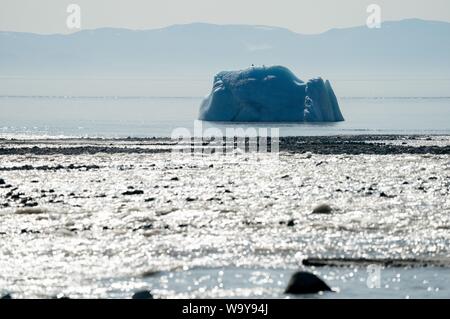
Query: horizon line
217	25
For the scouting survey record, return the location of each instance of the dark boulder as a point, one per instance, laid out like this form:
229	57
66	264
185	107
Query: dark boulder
322	209
304	282
133	192
144	294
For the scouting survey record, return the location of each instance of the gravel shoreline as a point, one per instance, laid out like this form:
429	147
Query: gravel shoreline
91	218
326	145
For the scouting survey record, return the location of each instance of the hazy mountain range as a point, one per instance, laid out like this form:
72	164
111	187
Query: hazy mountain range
407	48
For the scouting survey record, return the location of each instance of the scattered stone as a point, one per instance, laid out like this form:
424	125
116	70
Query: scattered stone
150	199
383	194
7	296
322	209
28	231
144	294
150	273
144	227
15	196
133	192
285	176
30	211
191	199
385	262
174	179
2	181
291	223
30	204
320	163
304	282
50	168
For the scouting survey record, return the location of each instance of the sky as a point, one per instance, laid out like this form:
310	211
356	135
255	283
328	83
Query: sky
302	16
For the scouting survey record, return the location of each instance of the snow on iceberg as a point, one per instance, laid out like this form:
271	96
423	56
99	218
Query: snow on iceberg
269	94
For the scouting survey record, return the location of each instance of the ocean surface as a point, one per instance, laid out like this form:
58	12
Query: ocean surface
149	116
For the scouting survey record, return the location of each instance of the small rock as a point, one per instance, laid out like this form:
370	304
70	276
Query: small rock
320	163
144	294
30	211
322	209
133	192
27	231
150	273
7	296
2	181
144	227
191	199
304	282
291	223
151	199
174	179
31	204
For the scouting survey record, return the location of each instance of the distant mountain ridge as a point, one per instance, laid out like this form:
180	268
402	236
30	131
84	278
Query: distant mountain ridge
405	48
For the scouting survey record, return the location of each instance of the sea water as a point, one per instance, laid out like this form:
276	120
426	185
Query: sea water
150	116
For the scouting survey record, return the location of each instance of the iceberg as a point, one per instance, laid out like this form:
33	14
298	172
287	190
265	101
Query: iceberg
269	94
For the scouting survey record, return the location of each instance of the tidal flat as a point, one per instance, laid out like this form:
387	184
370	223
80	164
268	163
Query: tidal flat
90	218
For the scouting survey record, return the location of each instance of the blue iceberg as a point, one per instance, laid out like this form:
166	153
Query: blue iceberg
269	94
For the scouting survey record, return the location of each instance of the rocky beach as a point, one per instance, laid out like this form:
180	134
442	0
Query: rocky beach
109	217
